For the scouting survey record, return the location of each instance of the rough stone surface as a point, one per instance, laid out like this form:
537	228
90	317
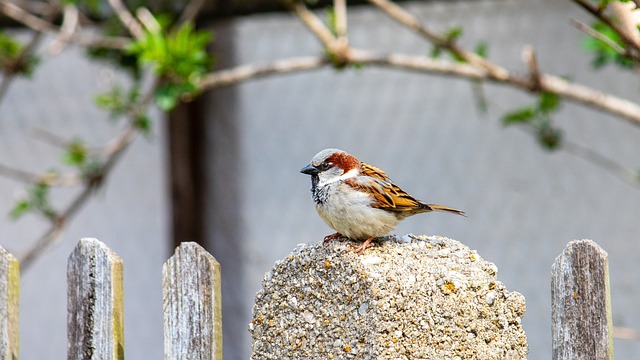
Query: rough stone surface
405	298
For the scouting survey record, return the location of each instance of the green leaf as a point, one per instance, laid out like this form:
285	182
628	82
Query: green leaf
548	102
143	123
482	49
76	154
331	20
20	208
549	137
11	57
602	51
436	51
518	116
453	34
178	56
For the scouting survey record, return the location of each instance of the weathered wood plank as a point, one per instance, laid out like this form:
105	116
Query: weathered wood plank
192	305
95	320
9	306
581	303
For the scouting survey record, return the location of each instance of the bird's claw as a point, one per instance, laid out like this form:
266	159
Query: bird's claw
331	237
362	247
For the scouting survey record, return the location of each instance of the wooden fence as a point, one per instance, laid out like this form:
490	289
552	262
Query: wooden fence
581	304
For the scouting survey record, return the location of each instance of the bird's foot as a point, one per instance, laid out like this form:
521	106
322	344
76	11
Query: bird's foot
362	247
331	237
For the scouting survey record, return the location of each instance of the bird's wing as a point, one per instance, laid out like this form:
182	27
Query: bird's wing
386	194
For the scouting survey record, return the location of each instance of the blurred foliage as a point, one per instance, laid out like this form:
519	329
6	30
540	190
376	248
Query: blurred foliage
36	200
12	60
538	117
603	53
178	56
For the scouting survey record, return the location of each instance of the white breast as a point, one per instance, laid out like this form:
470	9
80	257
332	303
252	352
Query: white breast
349	212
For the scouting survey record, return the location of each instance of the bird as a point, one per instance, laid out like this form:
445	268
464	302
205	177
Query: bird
358	200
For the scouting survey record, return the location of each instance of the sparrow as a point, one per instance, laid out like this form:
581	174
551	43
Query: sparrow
359	200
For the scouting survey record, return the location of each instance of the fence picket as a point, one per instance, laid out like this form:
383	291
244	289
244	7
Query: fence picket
581	303
95	319
9	305
192	305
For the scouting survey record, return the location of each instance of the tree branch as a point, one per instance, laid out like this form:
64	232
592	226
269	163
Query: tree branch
68	28
575	92
597	35
127	19
599	13
407	19
113	152
313	23
38	24
190	11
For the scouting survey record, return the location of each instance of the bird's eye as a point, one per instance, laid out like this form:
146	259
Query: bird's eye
324	166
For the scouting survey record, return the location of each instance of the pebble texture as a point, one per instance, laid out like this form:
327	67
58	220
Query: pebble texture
405	298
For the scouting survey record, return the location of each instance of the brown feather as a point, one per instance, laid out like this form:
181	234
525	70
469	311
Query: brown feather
389	196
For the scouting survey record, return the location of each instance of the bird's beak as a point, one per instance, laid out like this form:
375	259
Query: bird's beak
309	170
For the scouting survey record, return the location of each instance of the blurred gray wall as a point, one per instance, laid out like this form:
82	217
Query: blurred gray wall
524	203
129	214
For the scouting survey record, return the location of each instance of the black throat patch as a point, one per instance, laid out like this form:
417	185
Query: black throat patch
319	193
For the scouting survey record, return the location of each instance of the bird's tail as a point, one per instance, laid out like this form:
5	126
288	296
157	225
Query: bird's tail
435	207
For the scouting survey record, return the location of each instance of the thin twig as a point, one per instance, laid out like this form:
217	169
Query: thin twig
585	95
627	18
22	58
314	24
44	9
409	20
113	152
340	10
190	12
254	71
38	24
18	175
599	13
602	161
626	333
49	178
598	35
529	58
127	19
148	20
68	28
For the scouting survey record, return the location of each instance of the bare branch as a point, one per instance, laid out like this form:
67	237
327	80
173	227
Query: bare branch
113	152
598	13
18	175
579	93
628	19
601	161
190	11
407	19
253	71
49	178
529	58
68	28
44	9
314	24
597	35
24	55
38	24
340	10
127	19
626	333
148	20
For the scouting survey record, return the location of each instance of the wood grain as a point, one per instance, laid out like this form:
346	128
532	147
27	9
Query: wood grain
581	303
192	305
95	320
